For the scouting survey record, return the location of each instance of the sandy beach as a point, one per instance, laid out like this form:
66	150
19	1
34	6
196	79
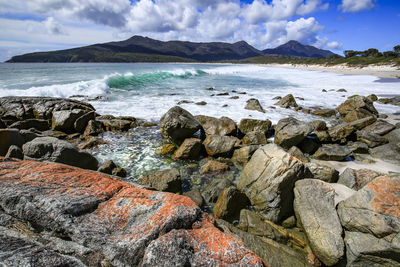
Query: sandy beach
381	71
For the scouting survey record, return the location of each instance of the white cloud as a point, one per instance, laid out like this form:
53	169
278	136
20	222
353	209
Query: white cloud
357	5
53	27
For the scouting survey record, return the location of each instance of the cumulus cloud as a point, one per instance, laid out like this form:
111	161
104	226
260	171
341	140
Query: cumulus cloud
357	5
53	27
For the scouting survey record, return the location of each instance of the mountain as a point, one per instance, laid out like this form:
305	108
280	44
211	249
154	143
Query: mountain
144	49
294	48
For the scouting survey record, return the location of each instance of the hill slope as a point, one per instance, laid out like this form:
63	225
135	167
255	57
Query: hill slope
294	48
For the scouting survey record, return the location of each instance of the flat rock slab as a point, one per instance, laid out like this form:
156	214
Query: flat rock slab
117	219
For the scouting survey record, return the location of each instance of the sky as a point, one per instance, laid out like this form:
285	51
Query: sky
337	25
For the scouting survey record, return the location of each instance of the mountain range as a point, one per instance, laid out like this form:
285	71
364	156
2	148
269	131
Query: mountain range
144	49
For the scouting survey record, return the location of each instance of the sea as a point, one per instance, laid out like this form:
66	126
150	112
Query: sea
148	90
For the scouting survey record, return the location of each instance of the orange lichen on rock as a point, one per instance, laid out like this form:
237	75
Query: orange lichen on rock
386	198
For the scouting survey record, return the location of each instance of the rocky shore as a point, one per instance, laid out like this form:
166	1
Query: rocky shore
246	194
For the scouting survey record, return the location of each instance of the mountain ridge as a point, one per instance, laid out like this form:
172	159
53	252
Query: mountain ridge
145	49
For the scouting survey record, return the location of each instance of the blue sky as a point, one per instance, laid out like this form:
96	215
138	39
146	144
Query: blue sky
41	25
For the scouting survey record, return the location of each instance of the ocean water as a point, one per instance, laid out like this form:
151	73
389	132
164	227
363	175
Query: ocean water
148	90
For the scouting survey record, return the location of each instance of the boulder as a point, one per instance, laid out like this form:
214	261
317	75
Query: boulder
322	172
14	152
341	132
229	204
389	153
243	155
55	150
268	180
358	147
116	124
214	189
290	132
362	123
178	124
323	136
314	206
309	145
38	124
326	112
356	102
255	138
374	209
254	104
9	137
393	136
189	149
249	125
358	114
64	120
287	101
372	97
319	125
296	152
213	166
370	138
195	196
380	127
91	142
168	180
93	128
220	146
166	149
213	126
332	152
109	167
357	179
81	123
121	222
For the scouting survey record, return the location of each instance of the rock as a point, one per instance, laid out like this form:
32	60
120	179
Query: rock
287	101
324	112
342	90
389	153
178	124
357	179
393	101
315	209
38	124
116	124
81	123
64	120
229	204
195	196
120	172
107	167
290	132
213	166
234	97
189	149
309	145
254	104
55	134
201	103
393	136
371	139
374	209
255	138
9	137
372	97
358	114
213	126
243	155
342	192
289	222
380	127
220	146
184	102
323	136
295	152
91	142
332	152
362	123
358	147
166	149
322	172
14	152
120	221
93	128
356	102
222	94
214	189
268	180
341	132
249	125
168	180
2	124
55	150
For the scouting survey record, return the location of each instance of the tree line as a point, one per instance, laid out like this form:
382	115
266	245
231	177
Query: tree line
372	52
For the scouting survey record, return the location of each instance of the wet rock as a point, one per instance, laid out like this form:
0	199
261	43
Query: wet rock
358	147
55	150
322	172
109	167
166	180
116	124
201	103
81	123
380	127
356	102
213	166
166	149
371	139
214	189
55	134
184	102
222	94
341	132
249	125
389	153
91	142
234	97
189	149
393	101
324	112
332	152
296	152
290	132
254	104
358	114
178	124
255	138
393	136
9	137
315	209
374	208
120	172
362	123
357	179
195	196
309	145
14	152
38	124
287	101
2	124
323	136
229	204
372	97
341	90
243	155
213	126
93	128
64	120
220	146
268	180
